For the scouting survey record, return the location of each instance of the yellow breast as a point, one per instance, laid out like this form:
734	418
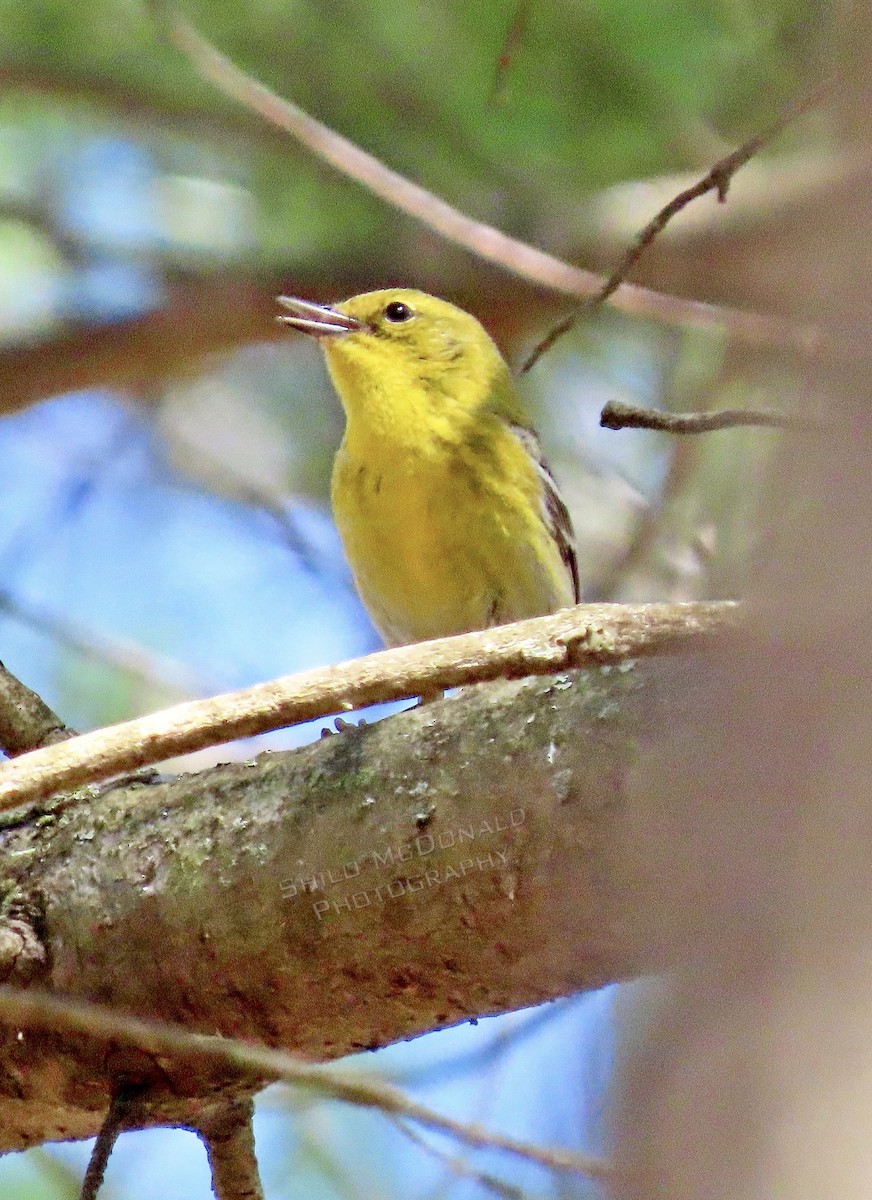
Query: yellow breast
447	540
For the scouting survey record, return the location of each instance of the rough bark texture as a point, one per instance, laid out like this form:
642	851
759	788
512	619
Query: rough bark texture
587	635
460	859
26	721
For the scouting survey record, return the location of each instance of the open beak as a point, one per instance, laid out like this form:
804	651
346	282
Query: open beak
318	320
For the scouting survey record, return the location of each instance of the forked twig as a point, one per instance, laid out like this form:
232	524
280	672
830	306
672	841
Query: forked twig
717	180
517	257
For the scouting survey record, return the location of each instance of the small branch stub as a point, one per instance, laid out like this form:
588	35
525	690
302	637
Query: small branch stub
26	721
228	1135
627	416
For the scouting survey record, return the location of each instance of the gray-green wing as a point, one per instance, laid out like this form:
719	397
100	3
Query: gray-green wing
554	509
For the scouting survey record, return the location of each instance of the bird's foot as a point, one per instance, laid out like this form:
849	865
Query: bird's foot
341	725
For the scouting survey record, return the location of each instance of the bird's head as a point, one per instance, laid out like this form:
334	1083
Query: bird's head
399	345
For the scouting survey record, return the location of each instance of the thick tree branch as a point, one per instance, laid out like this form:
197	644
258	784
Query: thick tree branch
202	315
465	858
545	645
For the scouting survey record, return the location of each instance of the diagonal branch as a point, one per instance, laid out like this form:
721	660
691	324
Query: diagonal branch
114	1123
34	1009
26	721
481	239
587	634
511	44
717	179
459	1168
115	651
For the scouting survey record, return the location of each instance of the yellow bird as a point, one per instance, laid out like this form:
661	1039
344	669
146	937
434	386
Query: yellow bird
449	515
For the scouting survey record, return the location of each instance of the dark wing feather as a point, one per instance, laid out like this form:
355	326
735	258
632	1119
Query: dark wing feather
555	511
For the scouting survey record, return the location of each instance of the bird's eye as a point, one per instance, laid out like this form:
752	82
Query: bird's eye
397	312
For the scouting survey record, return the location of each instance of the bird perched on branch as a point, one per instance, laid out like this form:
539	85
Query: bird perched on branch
449	515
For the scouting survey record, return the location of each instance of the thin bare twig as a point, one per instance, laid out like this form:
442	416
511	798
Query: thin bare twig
114	1124
585	635
35	1009
208	472
483	240
627	416
717	180
110	650
459	1167
26	721
480	1059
